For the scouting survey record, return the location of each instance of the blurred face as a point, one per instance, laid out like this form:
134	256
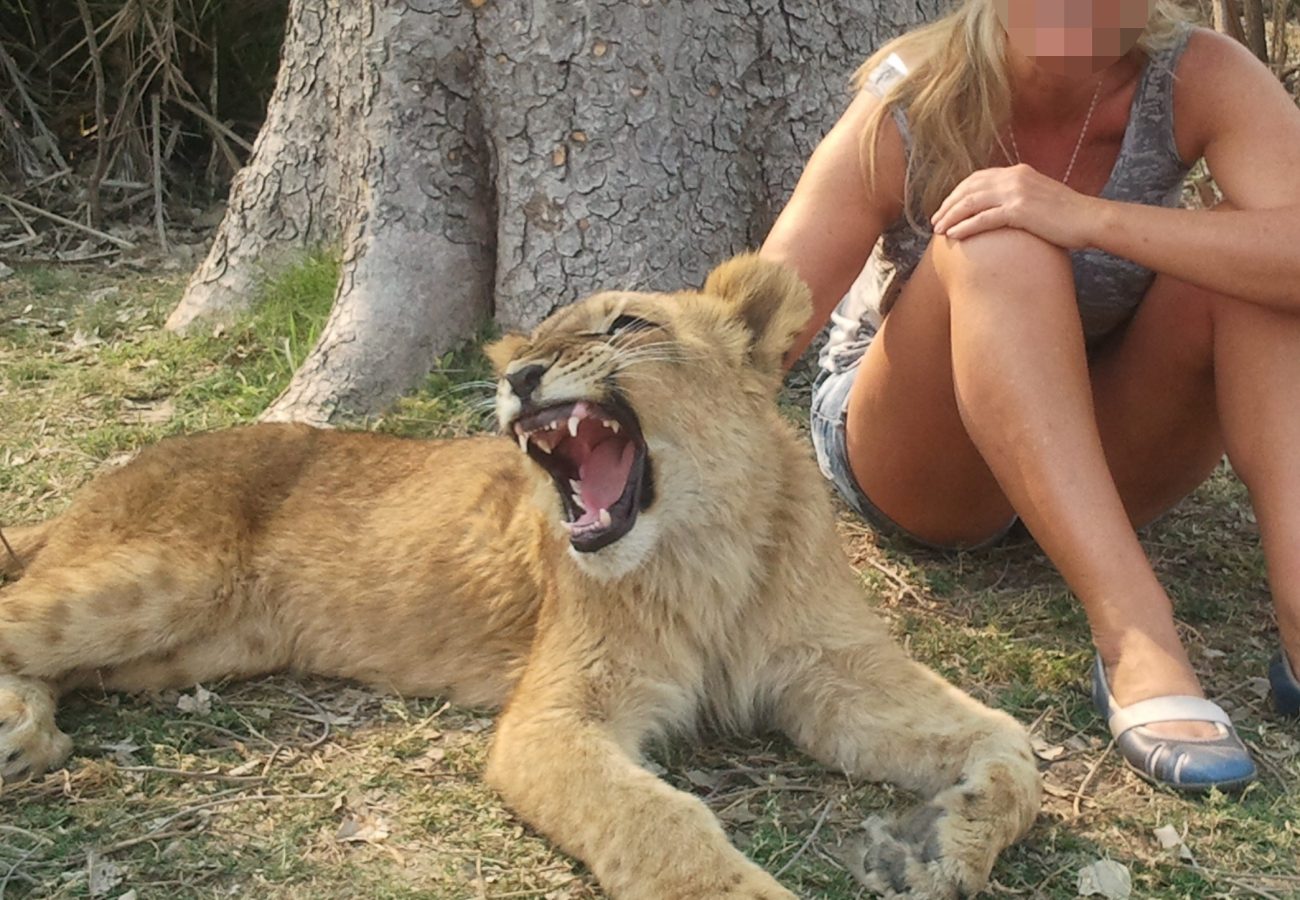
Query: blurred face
1073	37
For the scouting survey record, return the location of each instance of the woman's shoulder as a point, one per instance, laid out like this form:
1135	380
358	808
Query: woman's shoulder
1213	66
1209	55
1218	85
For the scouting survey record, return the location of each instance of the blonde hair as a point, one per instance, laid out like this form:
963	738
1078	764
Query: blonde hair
956	96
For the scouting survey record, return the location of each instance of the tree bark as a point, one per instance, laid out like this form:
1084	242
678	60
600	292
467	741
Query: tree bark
503	157
1280	45
1256	38
1227	19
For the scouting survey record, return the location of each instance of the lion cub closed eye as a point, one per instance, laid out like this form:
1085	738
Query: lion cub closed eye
647	547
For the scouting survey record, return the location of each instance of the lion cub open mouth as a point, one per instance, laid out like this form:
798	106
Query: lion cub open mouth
597	458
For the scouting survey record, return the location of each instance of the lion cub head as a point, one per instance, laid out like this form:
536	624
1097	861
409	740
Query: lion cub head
644	407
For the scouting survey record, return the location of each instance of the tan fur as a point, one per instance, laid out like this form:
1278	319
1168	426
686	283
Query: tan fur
443	568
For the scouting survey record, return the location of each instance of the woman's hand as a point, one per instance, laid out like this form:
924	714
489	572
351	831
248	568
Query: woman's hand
1018	197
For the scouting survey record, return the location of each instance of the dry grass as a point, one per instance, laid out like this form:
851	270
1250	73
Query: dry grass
291	789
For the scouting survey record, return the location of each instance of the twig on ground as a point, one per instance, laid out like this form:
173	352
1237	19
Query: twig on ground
22	220
1263	756
18	84
1038	720
156	123
1251	889
1087	779
322	715
44	180
766	789
270	761
193	776
1226	874
224	801
64	220
906	590
817	826
128	201
221	729
18	242
149	838
14	829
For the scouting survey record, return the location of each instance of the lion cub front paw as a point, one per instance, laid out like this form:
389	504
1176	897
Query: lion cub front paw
30	742
912	858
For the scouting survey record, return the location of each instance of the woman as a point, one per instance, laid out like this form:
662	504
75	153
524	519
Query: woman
1069	348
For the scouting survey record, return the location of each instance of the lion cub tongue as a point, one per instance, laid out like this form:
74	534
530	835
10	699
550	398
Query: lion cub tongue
603	475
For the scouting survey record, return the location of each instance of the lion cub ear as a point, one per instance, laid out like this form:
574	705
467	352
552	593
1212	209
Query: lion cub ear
501	351
769	298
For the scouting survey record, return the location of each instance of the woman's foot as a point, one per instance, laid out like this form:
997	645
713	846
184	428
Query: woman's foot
1198	764
1144	671
1284	684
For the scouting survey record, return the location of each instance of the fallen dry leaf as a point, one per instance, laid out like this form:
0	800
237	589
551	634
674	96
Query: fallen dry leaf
199	703
1107	878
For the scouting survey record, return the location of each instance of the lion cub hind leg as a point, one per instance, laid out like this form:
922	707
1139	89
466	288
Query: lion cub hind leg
109	616
873	712
130	603
643	839
30	742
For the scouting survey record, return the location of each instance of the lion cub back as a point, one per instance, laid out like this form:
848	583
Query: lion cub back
414	565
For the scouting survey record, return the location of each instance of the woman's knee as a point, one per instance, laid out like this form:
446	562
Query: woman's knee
1008	255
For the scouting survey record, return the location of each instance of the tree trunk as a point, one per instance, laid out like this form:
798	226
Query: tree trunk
1280	45
1256	38
504	157
1227	19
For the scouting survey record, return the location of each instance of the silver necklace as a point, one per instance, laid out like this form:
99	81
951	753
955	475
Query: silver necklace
1065	179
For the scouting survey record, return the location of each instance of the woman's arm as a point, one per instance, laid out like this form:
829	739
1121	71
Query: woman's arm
1227	108
1236	114
828	228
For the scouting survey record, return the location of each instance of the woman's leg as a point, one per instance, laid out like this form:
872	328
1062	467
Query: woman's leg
1257	365
976	398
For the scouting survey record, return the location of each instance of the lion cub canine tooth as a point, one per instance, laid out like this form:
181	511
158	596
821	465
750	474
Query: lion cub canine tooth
604	518
573	426
523	441
612	425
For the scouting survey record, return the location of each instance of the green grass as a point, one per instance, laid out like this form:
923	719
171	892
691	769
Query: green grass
87	375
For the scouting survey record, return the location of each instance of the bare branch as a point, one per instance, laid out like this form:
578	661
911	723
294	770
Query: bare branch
71	223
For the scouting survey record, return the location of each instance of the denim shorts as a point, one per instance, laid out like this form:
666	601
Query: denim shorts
830	403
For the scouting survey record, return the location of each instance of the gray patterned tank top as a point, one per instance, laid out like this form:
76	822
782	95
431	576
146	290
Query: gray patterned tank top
1148	170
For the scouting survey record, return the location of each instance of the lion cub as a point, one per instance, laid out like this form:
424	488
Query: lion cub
661	552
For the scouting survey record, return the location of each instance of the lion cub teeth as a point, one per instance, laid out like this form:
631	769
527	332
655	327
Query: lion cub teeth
523	441
611	424
573	426
604	518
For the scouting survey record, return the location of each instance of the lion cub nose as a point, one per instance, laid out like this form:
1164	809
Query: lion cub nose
526	379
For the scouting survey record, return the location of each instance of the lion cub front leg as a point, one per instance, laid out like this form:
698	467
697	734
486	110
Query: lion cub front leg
866	708
569	778
30	742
